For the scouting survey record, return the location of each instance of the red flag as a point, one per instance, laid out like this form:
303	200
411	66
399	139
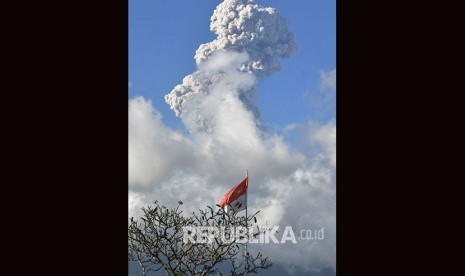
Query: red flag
236	197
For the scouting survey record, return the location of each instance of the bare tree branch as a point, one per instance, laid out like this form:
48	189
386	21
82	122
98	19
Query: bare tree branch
156	242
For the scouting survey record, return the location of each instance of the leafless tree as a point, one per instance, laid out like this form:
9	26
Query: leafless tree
157	242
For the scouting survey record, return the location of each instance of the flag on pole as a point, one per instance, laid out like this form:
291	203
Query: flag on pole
236	198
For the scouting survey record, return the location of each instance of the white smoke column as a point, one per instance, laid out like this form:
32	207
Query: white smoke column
250	40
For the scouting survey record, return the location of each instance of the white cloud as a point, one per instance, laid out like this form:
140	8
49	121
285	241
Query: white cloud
290	188
322	98
326	136
328	80
153	148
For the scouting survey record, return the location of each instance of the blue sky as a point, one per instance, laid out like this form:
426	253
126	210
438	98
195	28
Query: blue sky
292	166
163	37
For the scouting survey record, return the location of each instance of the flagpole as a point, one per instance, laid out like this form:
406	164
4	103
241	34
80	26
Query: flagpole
246	219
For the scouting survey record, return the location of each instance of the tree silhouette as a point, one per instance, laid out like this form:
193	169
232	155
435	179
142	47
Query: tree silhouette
157	241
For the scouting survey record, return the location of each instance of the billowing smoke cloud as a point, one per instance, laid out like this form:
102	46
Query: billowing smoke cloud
250	40
216	103
289	187
242	25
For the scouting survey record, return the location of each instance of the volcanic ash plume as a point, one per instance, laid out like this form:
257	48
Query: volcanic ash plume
250	39
292	184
